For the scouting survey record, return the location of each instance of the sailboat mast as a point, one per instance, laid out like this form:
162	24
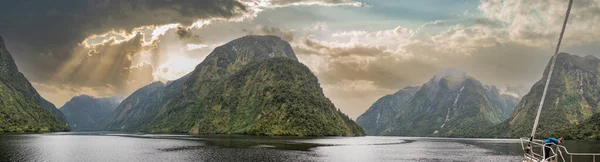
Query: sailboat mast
549	75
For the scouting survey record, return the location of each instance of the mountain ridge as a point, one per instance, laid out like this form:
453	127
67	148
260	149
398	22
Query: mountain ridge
22	109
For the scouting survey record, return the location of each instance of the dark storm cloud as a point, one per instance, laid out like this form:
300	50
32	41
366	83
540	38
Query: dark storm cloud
38	28
185	33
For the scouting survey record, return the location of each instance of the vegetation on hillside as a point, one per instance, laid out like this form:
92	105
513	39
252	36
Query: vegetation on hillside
277	96
451	104
572	97
251	85
384	111
136	110
22	109
588	130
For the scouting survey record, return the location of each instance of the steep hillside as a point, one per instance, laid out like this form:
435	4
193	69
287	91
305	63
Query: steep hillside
84	112
22	109
384	111
573	96
137	109
588	130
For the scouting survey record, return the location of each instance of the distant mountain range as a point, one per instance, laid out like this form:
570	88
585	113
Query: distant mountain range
251	85
451	103
22	109
454	104
84	113
256	85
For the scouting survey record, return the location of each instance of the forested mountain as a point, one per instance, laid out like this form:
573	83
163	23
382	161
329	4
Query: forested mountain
573	96
588	130
384	111
450	104
251	85
137	109
22	109
84	112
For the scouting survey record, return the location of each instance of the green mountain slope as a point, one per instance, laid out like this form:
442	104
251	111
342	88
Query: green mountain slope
137	109
84	112
251	85
22	109
384	111
450	104
588	130
572	97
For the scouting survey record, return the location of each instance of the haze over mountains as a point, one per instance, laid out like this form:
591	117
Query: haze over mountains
22	109
84	113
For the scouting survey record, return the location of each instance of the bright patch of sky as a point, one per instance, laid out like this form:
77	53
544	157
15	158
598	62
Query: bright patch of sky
376	15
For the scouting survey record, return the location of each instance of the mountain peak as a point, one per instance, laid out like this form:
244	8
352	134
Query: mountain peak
258	46
587	63
84	96
450	72
232	56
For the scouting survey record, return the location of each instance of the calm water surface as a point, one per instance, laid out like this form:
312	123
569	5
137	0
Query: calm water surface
130	147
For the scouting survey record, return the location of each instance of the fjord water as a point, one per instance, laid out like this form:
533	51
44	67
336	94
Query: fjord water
132	147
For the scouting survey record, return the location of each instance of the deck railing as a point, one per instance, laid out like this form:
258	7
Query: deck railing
535	153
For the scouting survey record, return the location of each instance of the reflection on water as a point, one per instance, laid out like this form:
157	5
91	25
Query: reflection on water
132	147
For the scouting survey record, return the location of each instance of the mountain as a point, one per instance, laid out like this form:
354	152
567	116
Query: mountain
85	112
452	103
251	85
22	109
384	110
137	109
588	130
573	96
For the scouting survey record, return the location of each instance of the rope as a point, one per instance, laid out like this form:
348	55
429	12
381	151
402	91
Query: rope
562	32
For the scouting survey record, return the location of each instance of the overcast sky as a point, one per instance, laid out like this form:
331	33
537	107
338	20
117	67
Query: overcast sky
359	50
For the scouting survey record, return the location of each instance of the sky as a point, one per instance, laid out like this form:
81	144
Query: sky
360	50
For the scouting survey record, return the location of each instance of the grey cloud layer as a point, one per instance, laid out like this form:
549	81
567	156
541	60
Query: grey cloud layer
37	28
45	36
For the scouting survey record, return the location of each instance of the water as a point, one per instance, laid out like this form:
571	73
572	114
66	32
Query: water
131	147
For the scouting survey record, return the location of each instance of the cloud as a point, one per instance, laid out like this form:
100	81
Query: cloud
59	94
106	65
355	62
357	67
99	43
185	33
280	3
264	30
538	22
